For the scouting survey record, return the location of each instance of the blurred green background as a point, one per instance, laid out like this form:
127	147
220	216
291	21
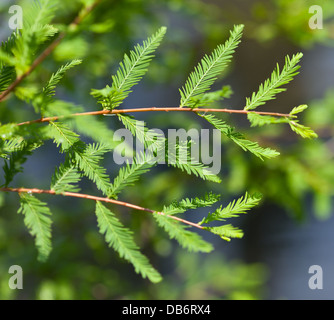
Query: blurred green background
289	232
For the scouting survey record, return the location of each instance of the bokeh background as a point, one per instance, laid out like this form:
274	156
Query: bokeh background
289	232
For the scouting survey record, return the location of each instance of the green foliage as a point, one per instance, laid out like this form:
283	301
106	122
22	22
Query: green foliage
37	220
129	174
88	160
272	86
130	72
48	92
65	178
194	203
233	209
239	139
187	239
303	131
207	71
84	158
36	31
120	238
62	135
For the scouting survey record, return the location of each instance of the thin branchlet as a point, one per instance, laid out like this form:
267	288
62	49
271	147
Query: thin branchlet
153	109
96	198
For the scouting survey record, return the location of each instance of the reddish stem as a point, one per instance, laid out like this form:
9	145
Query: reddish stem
95	198
153	109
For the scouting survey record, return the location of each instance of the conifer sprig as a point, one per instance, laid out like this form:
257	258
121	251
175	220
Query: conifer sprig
66	125
233	209
240	140
130	72
48	30
37	219
208	69
273	85
121	239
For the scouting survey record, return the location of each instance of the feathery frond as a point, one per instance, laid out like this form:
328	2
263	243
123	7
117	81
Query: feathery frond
37	220
226	231
88	161
258	120
208	98
130	173
86	157
120	239
233	209
272	86
239	139
302	130
191	241
207	71
14	163
49	89
36	30
7	75
149	138
130	72
179	156
185	204
65	178
62	135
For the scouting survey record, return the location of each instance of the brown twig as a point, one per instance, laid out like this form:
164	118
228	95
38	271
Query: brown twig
95	198
48	50
152	109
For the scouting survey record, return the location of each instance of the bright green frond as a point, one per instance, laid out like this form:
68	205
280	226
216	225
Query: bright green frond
65	178
37	220
130	173
121	240
191	241
233	209
62	135
130	72
239	138
207	71
272	86
88	160
185	204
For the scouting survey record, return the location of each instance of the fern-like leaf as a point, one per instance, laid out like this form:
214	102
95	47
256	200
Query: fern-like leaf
191	241
302	130
36	30
88	161
40	102
185	204
258	120
209	98
86	157
130	72
37	219
233	209
273	85
121	240
207	71
14	164
65	178
130	173
7	75
179	156
240	140
63	136
226	232
148	138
